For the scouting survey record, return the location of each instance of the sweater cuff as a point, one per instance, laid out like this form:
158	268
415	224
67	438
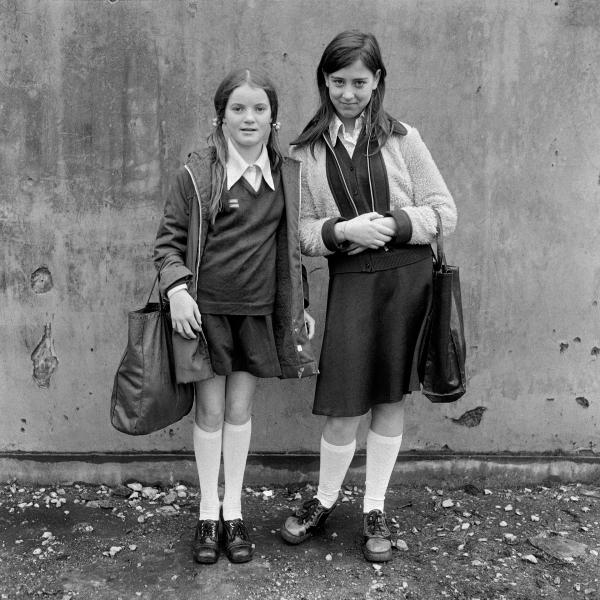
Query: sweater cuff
403	224
328	235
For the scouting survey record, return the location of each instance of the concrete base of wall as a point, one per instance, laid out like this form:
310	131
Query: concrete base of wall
280	469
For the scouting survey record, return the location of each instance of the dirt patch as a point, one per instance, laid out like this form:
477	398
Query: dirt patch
95	542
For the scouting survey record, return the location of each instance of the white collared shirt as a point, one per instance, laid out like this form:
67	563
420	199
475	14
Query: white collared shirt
237	167
349	140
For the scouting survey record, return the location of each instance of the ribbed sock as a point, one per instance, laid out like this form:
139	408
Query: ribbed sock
236	442
382	453
207	449
335	461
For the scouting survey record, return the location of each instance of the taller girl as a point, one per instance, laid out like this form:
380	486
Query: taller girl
370	195
228	253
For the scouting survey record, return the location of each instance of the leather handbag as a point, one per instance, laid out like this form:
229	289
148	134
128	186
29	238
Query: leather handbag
443	354
146	396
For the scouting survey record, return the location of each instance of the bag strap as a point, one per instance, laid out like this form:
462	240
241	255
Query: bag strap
157	278
440	256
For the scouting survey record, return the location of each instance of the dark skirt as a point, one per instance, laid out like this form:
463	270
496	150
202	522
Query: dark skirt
241	343
376	309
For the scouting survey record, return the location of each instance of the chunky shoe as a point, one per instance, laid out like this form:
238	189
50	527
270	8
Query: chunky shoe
205	548
377	539
305	521
238	546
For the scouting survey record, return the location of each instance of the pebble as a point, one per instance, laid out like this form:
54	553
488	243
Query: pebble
149	492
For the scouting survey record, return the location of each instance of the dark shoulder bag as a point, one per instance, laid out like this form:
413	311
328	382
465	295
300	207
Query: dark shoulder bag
146	396
443	354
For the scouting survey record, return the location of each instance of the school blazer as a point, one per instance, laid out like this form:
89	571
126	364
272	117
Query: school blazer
180	242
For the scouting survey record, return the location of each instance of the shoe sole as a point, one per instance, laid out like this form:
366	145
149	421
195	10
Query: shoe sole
377	556
290	538
205	561
238	561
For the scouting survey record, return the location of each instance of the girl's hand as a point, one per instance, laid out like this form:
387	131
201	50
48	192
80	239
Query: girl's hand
310	325
355	249
368	230
185	314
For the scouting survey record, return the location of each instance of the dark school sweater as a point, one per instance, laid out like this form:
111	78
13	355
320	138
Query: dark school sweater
237	271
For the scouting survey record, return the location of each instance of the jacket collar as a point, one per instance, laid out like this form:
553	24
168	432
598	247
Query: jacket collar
397	127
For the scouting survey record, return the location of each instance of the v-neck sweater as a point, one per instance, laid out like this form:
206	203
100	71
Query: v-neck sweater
237	271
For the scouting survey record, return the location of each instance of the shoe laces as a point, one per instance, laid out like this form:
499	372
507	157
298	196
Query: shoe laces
208	529
237	528
309	510
376	524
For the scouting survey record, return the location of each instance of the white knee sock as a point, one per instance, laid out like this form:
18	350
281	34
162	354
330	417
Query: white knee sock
335	461
382	453
207	448
236	442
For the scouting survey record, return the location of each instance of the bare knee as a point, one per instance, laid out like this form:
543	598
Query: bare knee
240	392
340	431
209	417
238	413
388	419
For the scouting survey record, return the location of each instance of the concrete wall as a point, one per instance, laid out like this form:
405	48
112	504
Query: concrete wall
100	101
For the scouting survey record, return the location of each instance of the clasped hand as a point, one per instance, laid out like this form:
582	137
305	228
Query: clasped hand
368	231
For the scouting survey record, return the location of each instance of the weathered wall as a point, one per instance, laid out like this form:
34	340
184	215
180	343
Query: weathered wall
100	101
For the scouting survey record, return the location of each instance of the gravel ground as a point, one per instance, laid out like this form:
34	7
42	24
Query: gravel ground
128	542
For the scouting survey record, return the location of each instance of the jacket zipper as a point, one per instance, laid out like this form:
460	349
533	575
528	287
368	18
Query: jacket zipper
195	279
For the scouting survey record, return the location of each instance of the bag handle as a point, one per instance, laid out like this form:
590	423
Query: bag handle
157	278
440	256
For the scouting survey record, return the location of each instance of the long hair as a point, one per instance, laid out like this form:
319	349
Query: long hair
233	80
345	49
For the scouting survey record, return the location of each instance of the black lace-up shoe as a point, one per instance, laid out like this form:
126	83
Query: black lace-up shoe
238	546
377	539
305	521
205	548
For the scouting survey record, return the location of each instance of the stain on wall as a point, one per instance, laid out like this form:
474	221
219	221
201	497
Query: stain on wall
44	359
471	418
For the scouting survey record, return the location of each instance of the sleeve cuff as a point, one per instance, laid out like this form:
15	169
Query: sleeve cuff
176	288
403	224
328	235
